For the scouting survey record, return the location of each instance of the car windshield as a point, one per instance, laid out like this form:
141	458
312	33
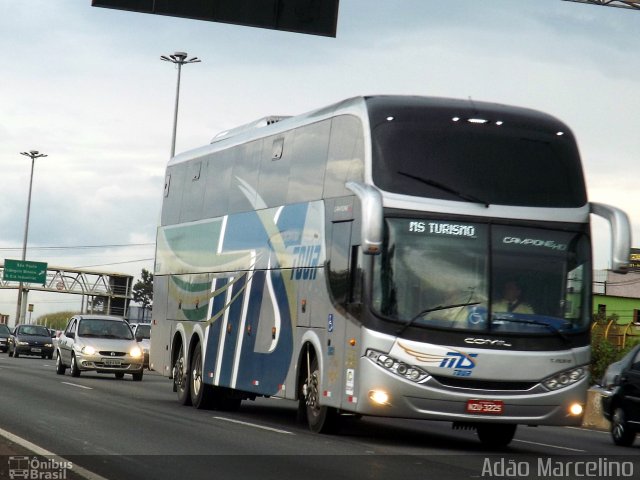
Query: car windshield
465	275
101	328
4	329
143	331
38	330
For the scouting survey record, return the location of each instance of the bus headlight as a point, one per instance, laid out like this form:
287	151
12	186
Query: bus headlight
565	378
404	370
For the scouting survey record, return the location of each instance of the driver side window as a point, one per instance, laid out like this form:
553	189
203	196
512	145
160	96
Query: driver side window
71	327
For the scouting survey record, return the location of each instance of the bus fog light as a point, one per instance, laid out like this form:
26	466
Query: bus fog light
576	409
379	396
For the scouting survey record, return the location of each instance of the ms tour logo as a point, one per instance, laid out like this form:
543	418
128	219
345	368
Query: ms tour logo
462	363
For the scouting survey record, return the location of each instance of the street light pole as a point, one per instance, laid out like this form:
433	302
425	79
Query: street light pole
179	59
32	154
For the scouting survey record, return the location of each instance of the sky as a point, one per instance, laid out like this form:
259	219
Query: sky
86	86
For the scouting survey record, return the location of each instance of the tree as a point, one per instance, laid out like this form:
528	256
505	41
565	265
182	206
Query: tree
143	290
57	320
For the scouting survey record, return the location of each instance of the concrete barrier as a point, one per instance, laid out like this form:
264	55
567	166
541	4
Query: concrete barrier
593	417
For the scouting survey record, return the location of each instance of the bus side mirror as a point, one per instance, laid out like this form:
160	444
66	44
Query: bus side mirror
372	226
620	234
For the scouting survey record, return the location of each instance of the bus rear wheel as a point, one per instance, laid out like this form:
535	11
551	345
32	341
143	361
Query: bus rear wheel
321	419
181	378
496	435
201	394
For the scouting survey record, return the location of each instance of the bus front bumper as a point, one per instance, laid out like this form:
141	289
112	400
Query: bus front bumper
432	400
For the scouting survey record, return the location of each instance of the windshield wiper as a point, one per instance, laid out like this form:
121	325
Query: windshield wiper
549	326
441	186
429	310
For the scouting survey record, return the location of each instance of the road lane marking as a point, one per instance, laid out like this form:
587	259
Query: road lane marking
589	430
37	450
552	446
77	385
277	430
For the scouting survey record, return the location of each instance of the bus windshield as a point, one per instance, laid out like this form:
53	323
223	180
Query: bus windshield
464	275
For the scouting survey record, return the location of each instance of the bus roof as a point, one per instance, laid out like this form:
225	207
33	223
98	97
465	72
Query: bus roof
362	107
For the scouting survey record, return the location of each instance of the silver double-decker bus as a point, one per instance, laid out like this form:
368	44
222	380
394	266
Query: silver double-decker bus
394	256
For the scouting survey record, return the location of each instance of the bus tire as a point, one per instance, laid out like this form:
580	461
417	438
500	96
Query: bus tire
201	394
321	419
181	377
496	435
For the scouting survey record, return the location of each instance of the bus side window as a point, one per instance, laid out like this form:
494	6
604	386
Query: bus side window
339	262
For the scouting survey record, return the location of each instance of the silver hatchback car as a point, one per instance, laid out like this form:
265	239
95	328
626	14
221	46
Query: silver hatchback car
100	343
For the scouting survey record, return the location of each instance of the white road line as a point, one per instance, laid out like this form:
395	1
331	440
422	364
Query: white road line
254	425
37	450
552	446
589	430
77	385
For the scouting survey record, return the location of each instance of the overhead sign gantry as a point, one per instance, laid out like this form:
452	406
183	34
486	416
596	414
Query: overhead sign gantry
113	291
634	4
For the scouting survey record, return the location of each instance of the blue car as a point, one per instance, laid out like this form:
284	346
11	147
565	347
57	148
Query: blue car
31	340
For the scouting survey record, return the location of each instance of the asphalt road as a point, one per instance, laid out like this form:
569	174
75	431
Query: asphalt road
120	429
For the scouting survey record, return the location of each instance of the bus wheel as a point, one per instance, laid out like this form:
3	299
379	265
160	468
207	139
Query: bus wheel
201	394
181	378
320	419
496	435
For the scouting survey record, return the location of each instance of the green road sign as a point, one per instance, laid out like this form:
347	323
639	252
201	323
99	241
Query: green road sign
25	271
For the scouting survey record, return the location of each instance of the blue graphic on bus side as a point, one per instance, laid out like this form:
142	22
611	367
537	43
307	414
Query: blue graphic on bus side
306	258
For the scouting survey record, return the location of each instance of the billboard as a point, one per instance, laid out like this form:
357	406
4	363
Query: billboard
315	17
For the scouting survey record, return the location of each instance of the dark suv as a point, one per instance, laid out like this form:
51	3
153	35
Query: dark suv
621	399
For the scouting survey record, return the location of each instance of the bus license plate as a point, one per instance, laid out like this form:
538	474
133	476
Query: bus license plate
111	362
488	407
